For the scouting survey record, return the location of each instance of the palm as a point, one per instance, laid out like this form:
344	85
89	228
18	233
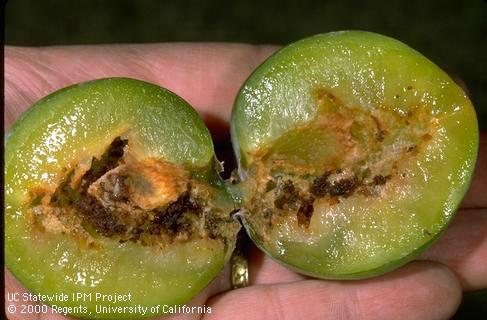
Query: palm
208	76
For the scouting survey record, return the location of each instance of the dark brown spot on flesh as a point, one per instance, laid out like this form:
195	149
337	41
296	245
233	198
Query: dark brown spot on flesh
174	218
305	212
320	186
286	195
270	185
343	187
215	226
136	232
64	194
380	179
100	218
107	162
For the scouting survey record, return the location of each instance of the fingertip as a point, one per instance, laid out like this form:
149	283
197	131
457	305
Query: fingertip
420	290
463	248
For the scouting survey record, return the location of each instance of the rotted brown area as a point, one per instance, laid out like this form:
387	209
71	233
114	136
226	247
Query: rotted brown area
346	187
289	198
286	195
101	219
109	160
125	202
321	187
87	206
221	226
380	179
372	144
172	218
343	187
305	212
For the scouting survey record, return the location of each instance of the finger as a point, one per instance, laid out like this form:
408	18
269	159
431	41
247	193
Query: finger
208	76
14	296
12	285
420	290
475	197
264	270
463	248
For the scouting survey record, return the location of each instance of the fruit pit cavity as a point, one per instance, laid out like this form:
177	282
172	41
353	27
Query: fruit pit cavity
150	202
366	148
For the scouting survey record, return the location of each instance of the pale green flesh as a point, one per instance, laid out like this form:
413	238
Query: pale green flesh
71	126
56	265
83	119
363	69
360	236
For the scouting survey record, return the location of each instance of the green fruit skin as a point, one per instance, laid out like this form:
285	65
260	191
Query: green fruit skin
366	70
311	271
73	125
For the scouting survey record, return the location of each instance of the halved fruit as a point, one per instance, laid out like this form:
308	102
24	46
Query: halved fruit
112	189
354	151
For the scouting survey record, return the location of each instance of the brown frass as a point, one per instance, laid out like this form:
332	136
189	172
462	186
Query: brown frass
344	152
125	201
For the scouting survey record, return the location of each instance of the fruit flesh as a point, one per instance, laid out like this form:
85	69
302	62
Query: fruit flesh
108	193
355	152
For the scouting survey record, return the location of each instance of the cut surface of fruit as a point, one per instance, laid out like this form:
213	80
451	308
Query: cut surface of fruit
107	193
354	151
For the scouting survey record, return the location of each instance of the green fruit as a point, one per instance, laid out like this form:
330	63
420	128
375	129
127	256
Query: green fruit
111	188
354	153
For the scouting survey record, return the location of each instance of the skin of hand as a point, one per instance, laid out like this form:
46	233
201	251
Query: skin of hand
208	76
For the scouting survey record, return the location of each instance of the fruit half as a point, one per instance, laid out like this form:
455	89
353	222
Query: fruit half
112	189
354	151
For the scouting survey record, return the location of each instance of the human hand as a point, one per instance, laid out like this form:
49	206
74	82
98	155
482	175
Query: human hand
208	76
